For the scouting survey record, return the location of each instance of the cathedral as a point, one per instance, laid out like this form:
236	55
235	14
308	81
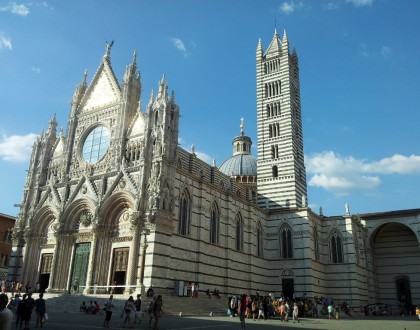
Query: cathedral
115	201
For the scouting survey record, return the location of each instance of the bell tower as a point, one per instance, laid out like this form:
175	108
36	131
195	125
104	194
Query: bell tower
281	174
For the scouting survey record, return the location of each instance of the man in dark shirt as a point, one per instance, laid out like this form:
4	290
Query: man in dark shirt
40	310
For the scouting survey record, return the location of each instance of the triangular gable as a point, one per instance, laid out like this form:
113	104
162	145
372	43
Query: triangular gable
103	90
275	45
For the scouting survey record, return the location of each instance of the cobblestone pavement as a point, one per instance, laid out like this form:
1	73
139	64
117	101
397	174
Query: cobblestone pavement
80	321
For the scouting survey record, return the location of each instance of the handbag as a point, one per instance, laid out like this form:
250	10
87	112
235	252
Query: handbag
45	317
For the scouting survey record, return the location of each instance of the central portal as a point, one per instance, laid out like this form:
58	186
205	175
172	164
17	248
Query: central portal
80	267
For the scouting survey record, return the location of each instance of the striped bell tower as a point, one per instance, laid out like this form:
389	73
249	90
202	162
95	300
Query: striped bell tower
281	174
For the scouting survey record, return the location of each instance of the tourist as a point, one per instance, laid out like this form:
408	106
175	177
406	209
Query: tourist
242	309
286	311
157	311
337	312
28	308
20	310
76	286
330	311
137	304
6	315
254	308
109	306
129	308
83	307
40	310
28	287
295	313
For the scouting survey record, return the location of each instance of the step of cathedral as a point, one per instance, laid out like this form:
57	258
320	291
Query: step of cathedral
172	305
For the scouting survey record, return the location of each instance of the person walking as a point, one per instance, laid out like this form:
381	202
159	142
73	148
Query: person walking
295	313
27	311
6	315
157	311
128	309
137	304
109	306
242	309
40	310
20	310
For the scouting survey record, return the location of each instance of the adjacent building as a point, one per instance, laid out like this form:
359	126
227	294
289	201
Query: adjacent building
116	201
7	223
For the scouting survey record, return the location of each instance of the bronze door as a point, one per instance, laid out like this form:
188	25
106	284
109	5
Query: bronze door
119	269
80	265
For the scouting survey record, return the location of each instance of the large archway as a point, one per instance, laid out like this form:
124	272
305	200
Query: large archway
396	261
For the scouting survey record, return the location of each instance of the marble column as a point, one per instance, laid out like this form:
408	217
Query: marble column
134	253
140	276
92	262
62	263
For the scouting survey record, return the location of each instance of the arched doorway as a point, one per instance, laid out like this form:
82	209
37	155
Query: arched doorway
396	256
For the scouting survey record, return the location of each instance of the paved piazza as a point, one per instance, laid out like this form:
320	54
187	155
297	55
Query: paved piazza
82	321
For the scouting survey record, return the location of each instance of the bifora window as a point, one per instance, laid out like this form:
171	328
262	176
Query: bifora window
96	144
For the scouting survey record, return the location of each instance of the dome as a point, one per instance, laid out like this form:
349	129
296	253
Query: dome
243	164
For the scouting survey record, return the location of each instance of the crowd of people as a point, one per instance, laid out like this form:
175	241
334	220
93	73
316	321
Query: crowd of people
262	308
21	308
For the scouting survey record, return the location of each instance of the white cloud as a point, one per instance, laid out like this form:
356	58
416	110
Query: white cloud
360	3
178	44
204	157
16	9
16	148
35	69
386	51
331	6
290	7
5	42
343	174
363	51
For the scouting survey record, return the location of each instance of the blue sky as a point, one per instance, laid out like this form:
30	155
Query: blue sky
359	71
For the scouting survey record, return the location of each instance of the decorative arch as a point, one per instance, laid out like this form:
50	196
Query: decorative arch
260	245
316	243
239	232
336	247
214	223
222	185
184	214
113	207
43	219
286	241
74	210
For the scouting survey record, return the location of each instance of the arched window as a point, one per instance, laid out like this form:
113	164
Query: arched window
336	247
316	244
275	172
286	242
214	224
156	117
260	247
184	214
239	233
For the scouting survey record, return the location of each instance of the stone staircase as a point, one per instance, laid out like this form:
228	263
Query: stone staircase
172	305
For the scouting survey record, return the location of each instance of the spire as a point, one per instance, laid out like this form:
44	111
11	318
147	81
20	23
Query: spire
285	41
259	47
135	57
284	36
242	126
80	89
152	96
275	45
163	88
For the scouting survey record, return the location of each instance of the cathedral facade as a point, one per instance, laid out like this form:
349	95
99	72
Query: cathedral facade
116	202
